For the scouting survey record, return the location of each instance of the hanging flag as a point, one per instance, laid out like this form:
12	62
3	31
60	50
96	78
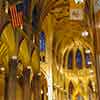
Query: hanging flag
42	41
16	17
76	9
76	14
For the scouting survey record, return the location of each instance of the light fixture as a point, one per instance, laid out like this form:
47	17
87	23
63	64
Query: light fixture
79	1
87	51
85	34
6	7
2	69
29	67
93	84
91	71
39	74
41	91
21	27
17	76
14	57
47	94
33	39
89	62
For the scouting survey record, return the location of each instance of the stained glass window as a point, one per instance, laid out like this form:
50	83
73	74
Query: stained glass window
70	60
79	59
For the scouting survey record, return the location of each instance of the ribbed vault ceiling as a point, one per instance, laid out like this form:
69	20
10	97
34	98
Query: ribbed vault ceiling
65	31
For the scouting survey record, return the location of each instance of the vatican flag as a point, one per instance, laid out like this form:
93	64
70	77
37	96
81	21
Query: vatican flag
76	14
77	9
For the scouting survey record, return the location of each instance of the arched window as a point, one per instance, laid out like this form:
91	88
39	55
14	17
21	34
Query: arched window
79	59
70	90
70	60
42	46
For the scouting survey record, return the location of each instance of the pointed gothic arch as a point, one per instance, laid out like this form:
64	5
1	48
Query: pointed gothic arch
70	60
79	59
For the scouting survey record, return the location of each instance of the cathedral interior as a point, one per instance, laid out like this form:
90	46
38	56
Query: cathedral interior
49	49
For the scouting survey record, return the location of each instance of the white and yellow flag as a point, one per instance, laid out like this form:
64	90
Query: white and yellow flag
76	9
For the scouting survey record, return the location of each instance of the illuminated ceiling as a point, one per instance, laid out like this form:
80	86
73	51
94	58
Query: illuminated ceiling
65	30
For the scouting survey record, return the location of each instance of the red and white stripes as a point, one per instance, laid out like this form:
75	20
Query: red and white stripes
16	17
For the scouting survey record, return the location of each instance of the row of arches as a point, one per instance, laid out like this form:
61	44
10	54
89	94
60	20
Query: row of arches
18	48
79	57
79	95
19	56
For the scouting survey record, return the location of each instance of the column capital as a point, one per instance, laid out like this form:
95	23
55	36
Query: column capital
26	84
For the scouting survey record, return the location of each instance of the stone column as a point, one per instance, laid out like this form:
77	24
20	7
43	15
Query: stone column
45	93
36	87
98	73
57	97
97	48
2	84
6	87
27	85
50	56
12	78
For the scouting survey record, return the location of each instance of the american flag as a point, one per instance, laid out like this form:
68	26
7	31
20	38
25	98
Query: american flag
16	17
